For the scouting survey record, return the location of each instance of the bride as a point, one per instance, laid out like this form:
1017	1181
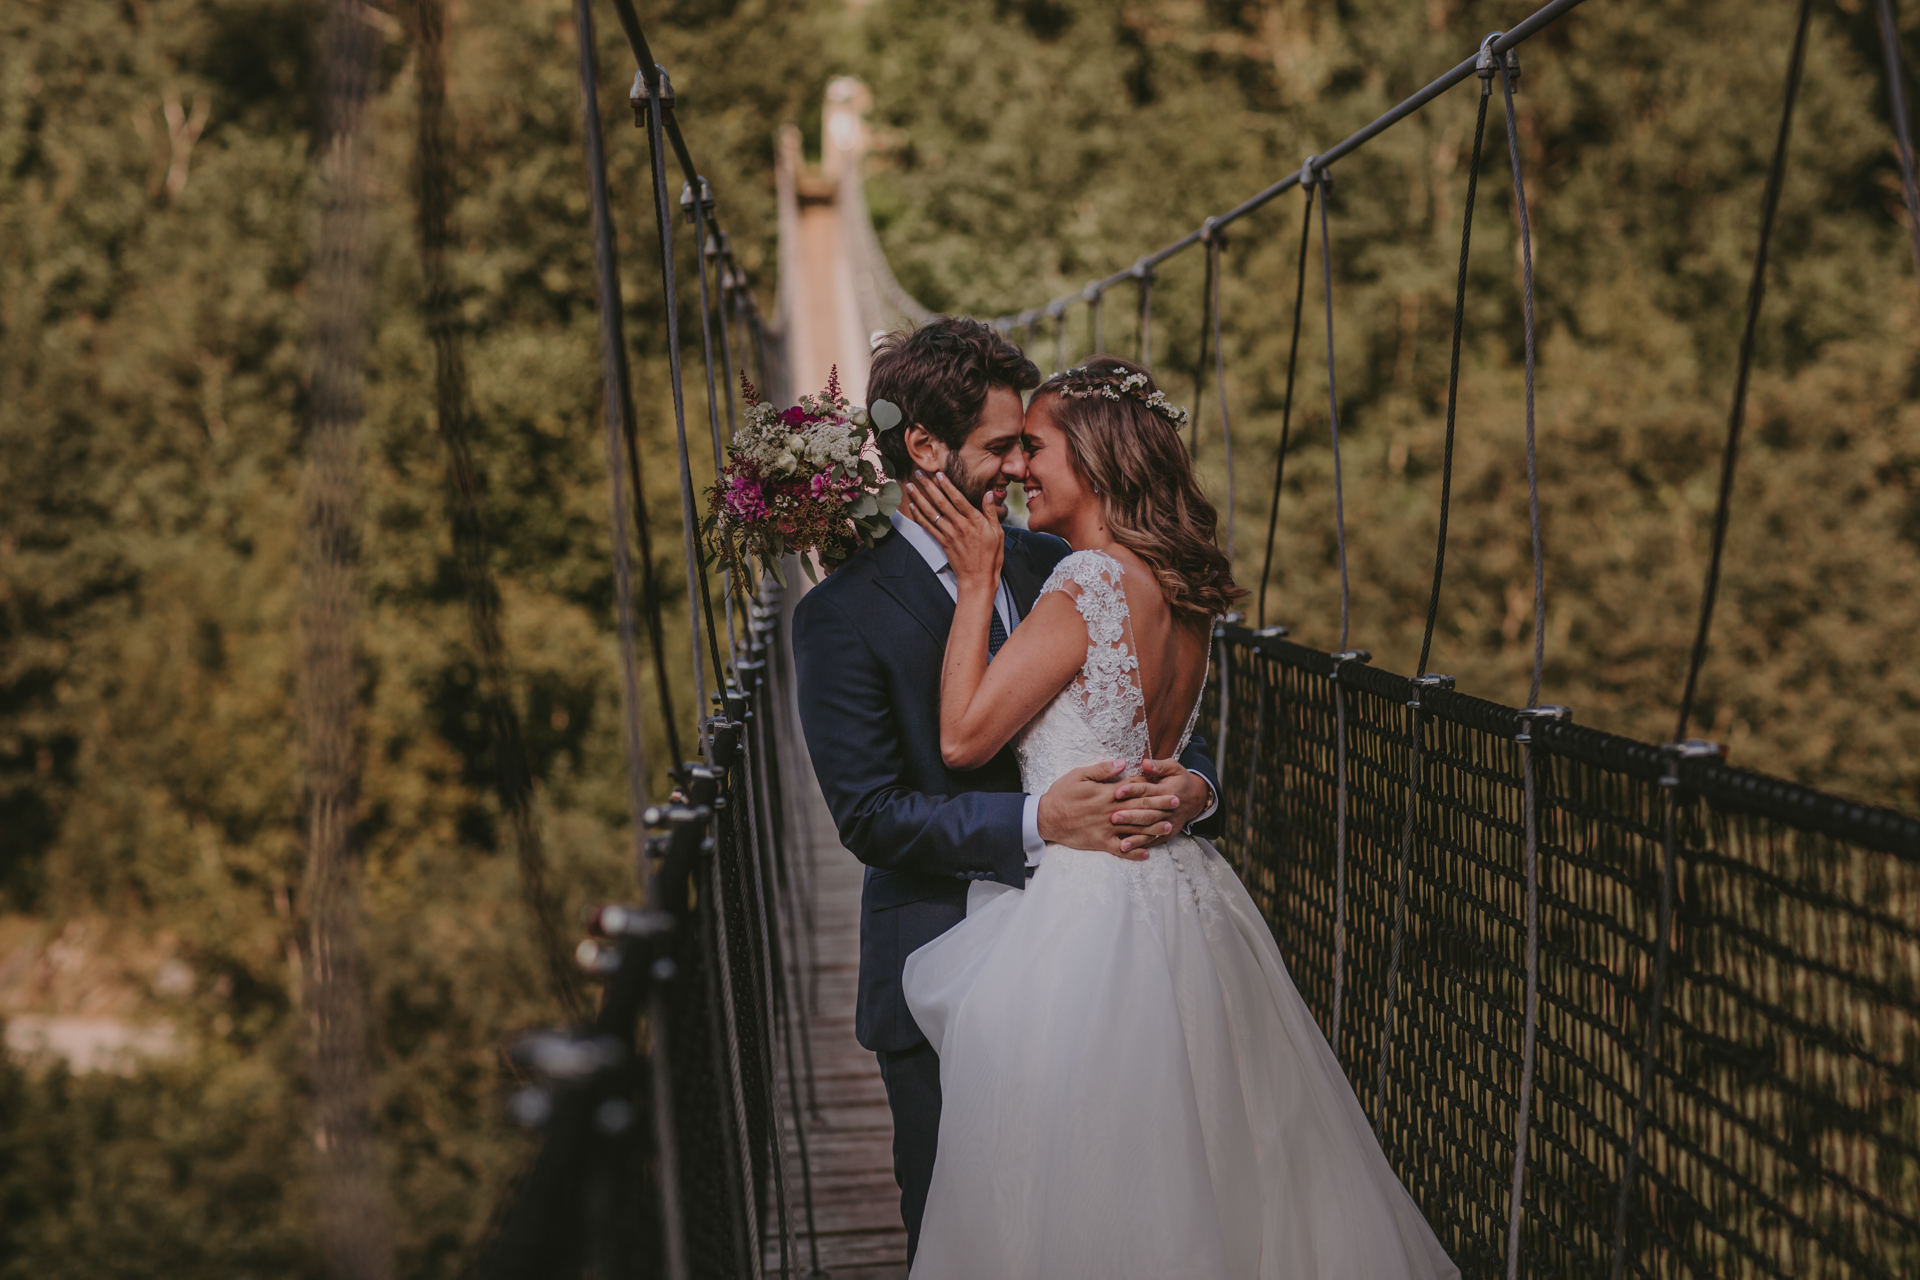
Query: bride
1132	1086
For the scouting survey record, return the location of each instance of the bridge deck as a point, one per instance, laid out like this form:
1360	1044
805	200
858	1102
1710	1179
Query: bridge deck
856	1204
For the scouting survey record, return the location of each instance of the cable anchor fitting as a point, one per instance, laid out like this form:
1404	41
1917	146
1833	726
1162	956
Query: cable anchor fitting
1551	712
694	204
1672	753
1423	685
1487	63
1341	659
639	99
1315	174
1272	633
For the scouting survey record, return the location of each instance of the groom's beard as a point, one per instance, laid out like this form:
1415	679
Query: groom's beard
972	487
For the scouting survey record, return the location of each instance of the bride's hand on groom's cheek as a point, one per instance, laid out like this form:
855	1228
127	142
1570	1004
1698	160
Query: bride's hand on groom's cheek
971	537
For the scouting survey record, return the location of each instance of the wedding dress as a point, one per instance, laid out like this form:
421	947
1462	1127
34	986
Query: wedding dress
1131	1085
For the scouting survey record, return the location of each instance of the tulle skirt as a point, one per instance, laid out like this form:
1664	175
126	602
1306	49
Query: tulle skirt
1132	1087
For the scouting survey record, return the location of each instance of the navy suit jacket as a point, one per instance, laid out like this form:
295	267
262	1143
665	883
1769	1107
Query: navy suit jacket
868	644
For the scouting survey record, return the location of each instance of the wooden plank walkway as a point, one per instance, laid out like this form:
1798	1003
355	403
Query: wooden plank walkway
850	1141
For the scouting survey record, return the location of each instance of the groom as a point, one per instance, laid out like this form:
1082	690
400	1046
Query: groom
868	643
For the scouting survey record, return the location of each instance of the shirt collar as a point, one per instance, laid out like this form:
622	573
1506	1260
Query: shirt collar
922	541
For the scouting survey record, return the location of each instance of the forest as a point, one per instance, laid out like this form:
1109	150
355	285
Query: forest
156	236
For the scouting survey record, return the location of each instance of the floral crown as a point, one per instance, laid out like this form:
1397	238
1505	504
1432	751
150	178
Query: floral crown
1083	383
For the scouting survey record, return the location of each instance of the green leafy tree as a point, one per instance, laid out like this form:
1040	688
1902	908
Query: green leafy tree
1035	146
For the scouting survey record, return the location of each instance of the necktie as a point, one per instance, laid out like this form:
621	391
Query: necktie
996	634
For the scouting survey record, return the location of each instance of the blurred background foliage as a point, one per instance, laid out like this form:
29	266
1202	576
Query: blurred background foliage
154	236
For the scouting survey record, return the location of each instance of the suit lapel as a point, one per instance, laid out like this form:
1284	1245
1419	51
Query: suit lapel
902	574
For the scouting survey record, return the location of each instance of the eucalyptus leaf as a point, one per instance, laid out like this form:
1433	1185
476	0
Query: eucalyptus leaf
864	505
885	415
889	497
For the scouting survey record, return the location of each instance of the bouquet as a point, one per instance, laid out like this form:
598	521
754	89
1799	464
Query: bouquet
801	480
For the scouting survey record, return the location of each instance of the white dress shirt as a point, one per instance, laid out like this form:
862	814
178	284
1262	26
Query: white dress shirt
936	557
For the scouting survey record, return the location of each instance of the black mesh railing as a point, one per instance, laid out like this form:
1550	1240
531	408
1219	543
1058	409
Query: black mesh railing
669	1121
1782	1131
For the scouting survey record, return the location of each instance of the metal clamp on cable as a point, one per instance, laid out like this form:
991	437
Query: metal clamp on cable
1272	633
1692	749
724	739
703	785
1142	271
1226	620
1423	685
692	204
1551	712
1361	656
677	850
1487	63
1314	174
1211	232
1090	295
641	101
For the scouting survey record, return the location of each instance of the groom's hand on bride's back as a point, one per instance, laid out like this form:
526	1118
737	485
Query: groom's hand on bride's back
1093	808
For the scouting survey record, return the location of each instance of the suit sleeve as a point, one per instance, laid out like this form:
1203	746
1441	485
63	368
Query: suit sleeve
1198	757
853	739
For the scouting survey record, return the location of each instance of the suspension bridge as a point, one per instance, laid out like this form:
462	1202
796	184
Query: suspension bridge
1613	1007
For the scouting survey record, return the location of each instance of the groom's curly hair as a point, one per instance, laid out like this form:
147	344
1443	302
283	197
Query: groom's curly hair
1131	455
939	375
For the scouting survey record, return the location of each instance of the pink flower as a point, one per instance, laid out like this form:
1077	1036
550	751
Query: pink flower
794	417
745	500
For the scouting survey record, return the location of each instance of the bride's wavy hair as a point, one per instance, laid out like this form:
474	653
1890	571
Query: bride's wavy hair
1125	445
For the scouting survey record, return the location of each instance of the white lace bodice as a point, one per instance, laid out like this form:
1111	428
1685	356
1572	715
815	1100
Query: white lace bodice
1102	713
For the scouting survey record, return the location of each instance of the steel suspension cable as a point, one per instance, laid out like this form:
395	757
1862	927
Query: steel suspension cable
616	401
1286	404
618	414
1144	275
1453	375
1679	747
1736	419
699	204
1220	379
1509	69
1902	124
1206	328
724	288
1323	180
652	78
1421	680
